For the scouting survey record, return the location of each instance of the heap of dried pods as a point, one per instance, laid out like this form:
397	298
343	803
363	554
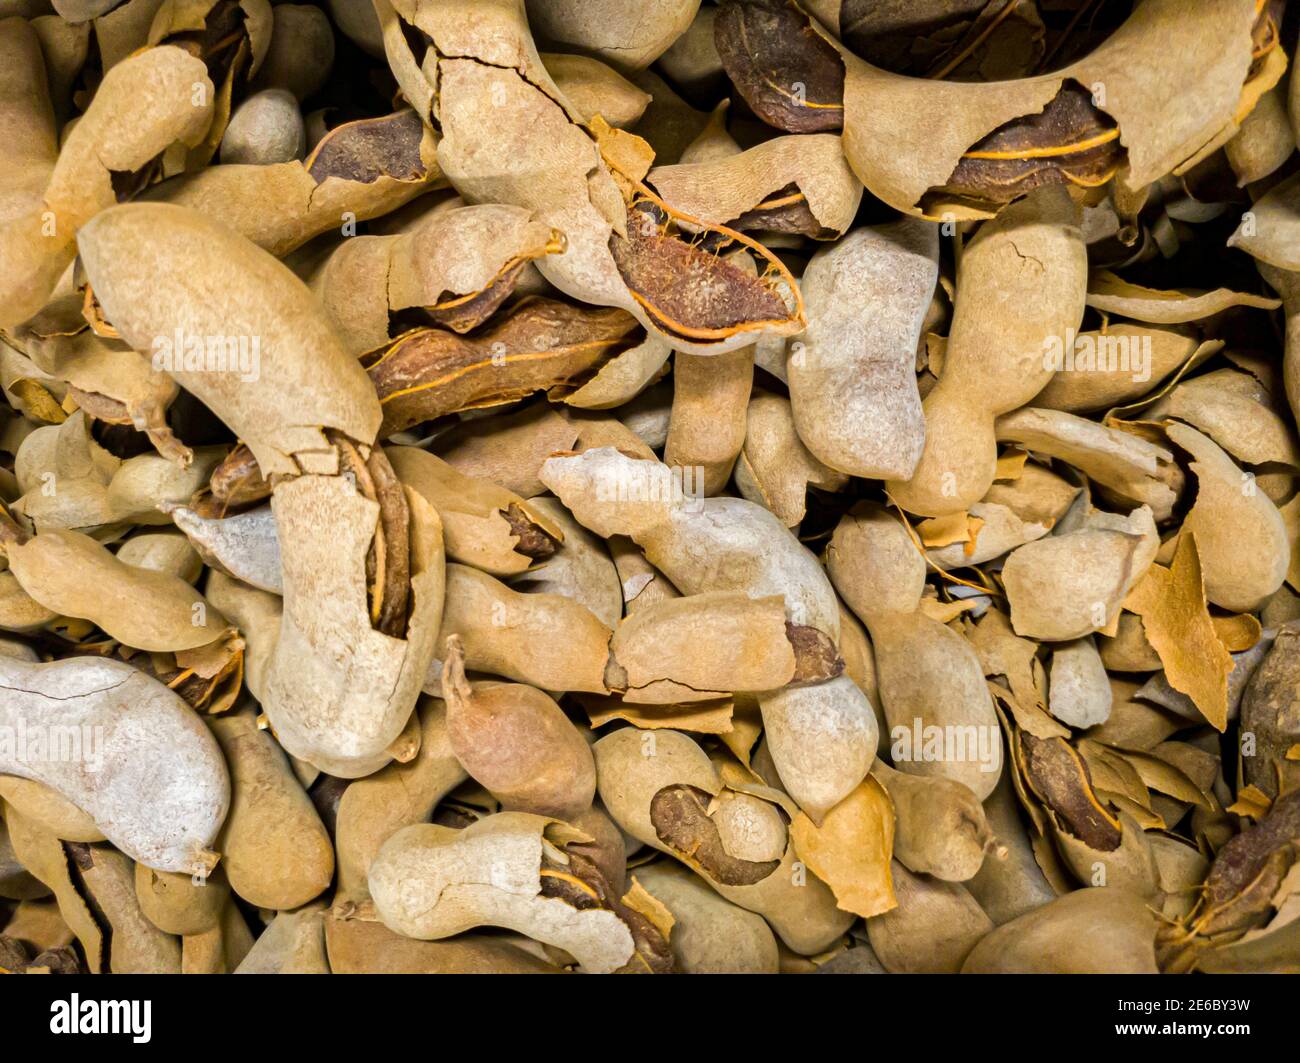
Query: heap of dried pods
649	485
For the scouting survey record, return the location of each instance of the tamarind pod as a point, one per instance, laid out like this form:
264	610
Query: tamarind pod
932	930
941	829
343	719
160	792
276	852
1009	887
1089	931
142	258
517	742
73	575
178	903
50	811
374	808
432	882
361	946
19	884
135	945
706	430
245	547
293	943
544	640
712	544
221	949
257	616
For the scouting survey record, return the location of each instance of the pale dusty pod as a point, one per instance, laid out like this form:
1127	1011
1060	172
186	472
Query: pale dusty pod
708	645
699	544
72	574
257	616
245	547
1066	586
1080	693
509	869
581	567
1264	142
275	851
775	468
265	129
933	929
166	820
642	584
373	694
710	935
644	28
1037	495
144	105
396	796
1268	231
1100	930
1237	411
1009	884
1228	512
484	525
293	943
929	676
707	425
852	373
657	788
822	738
148	482
136	946
544	640
596	89
301	50
517	742
1022	285
941	829
179	903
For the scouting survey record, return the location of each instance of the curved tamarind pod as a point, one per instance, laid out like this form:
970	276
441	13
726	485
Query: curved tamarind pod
545	640
72	574
376	807
293	943
153	779
141	259
517	742
343	720
852	374
275	851
928	675
711	544
1090	931
1021	288
156	98
941	828
657	787
710	645
509	869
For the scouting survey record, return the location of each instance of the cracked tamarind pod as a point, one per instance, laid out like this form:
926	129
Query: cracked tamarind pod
361	556
1021	287
661	787
941	829
929	676
166	819
518	871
